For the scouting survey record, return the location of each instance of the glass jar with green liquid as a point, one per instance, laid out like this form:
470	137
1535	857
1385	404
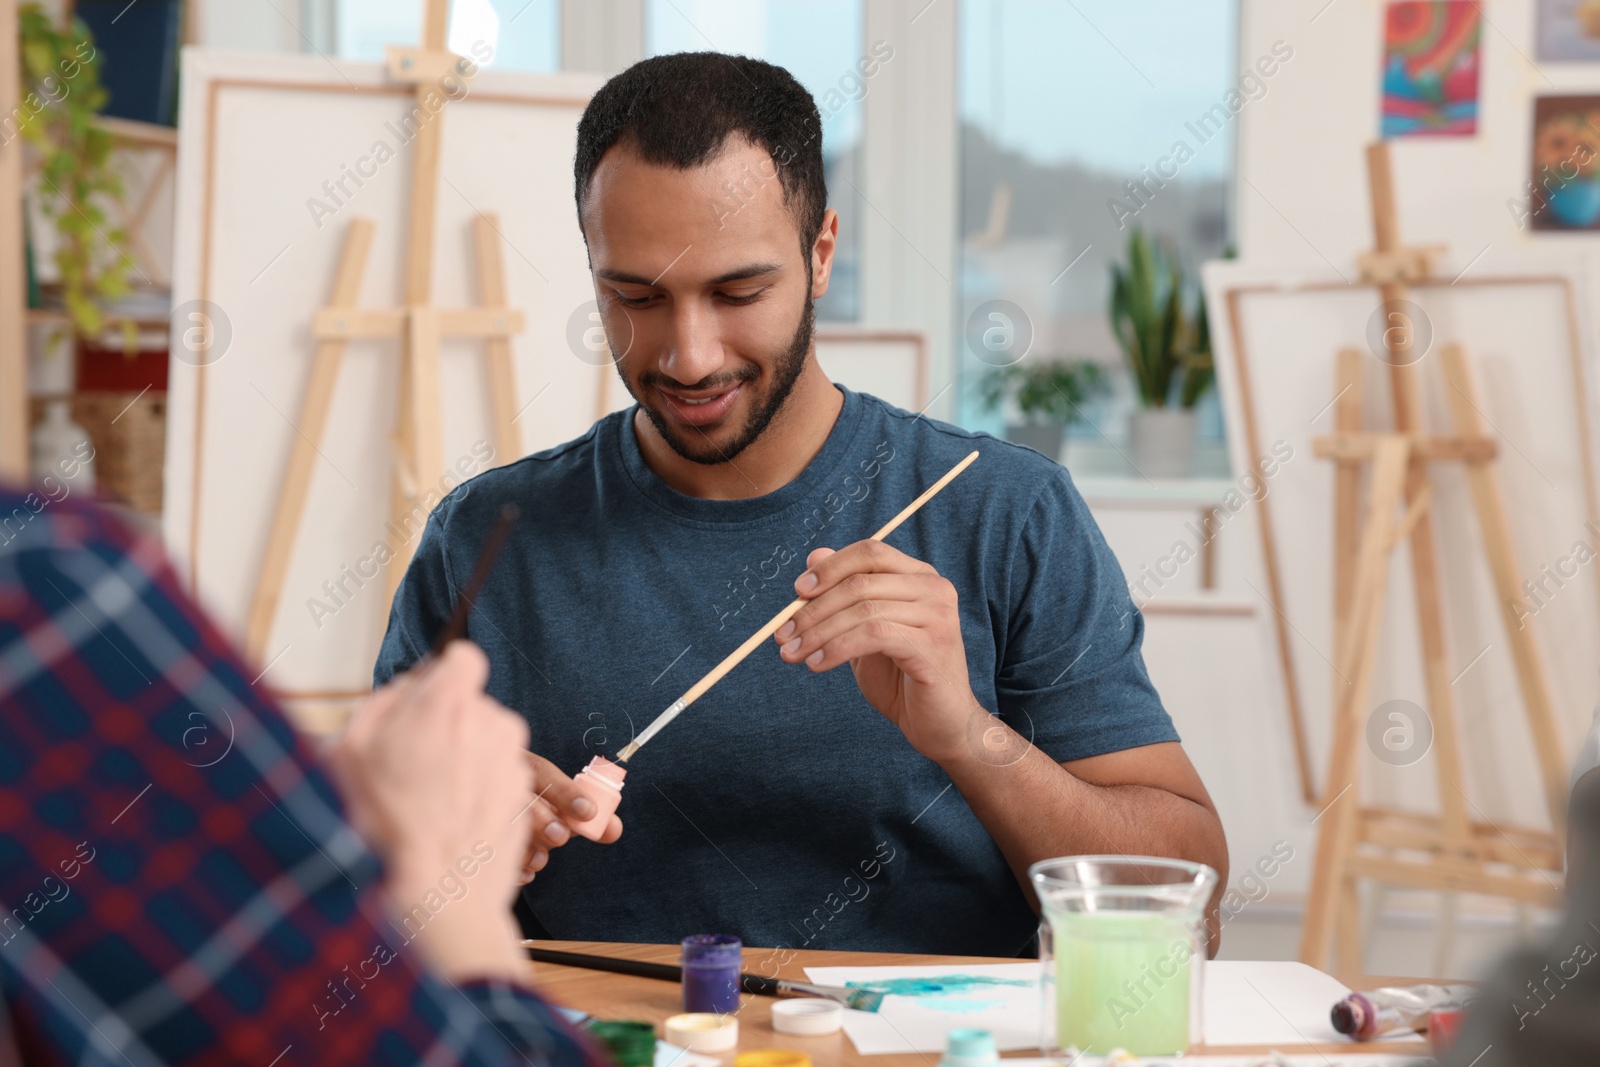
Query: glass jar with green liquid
1122	944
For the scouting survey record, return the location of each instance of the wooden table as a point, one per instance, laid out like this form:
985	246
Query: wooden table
615	996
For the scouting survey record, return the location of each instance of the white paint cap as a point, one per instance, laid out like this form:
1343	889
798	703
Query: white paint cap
703	1031
806	1016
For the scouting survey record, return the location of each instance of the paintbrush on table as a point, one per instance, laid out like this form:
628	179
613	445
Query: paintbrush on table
759	985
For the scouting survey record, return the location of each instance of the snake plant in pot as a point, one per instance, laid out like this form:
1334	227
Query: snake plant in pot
1168	352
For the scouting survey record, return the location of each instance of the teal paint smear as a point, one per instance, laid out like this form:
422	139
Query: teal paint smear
959	1005
946	993
921	987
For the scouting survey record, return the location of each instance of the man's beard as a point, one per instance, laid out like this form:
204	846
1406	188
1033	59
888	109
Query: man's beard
698	448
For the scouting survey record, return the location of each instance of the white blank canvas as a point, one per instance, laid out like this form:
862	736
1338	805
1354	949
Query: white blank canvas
261	134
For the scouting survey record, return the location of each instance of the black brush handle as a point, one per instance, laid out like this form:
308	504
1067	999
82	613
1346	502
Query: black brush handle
750	983
759	985
637	968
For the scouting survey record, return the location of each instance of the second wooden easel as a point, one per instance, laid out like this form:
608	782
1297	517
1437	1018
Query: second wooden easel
1457	853
417	325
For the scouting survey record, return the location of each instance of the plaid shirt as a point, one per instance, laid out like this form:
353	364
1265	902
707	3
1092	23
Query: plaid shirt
177	878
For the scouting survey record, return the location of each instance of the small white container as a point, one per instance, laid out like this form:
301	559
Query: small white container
703	1031
806	1016
59	444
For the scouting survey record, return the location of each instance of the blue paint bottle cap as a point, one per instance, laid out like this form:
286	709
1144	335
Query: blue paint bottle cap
712	950
969	1048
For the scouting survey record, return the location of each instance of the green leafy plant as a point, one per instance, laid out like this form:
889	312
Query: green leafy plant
61	95
1159	340
1045	391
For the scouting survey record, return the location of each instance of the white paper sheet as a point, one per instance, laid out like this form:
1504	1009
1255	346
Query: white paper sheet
1277	1004
1272	1003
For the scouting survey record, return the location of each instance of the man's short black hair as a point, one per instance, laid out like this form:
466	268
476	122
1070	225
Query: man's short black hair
678	110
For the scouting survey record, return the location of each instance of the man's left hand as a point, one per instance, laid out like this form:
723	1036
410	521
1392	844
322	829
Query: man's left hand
894	619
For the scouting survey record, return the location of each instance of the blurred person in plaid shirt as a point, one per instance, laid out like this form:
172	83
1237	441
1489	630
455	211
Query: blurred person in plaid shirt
183	881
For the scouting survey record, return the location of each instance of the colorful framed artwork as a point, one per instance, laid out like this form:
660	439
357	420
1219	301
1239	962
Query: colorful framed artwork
1567	31
1564	189
1430	68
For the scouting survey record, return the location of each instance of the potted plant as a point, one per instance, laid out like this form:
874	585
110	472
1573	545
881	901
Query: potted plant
1048	396
1168	352
77	174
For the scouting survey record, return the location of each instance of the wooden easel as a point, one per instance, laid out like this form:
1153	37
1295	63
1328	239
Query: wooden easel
417	325
1461	854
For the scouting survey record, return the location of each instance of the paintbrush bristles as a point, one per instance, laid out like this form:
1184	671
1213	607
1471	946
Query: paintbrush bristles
650	731
734	658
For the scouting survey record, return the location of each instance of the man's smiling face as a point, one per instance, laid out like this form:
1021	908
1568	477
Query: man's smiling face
704	293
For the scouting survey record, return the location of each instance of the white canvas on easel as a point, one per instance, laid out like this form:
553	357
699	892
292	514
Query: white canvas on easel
1534	363
264	139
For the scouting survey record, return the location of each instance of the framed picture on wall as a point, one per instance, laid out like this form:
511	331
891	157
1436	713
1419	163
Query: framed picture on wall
1564	191
1430	68
1567	31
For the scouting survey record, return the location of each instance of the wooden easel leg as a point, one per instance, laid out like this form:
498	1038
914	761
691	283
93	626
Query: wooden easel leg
1399	341
303	455
1350	400
427	460
1436	672
1336	837
497	350
403	491
419	400
421	436
1346	491
1489	502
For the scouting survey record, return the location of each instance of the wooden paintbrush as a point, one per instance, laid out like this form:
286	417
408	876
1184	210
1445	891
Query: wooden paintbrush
480	573
737	656
859	999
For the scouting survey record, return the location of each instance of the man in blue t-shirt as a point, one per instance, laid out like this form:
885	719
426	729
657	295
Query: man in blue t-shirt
995	710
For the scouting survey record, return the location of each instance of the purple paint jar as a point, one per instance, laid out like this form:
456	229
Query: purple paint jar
711	972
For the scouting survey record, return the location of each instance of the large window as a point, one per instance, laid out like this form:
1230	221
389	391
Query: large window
525	34
820	43
1062	105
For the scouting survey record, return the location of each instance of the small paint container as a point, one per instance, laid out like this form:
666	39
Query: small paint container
771	1057
969	1048
703	1032
1444	1026
631	1044
807	1016
711	972
601	782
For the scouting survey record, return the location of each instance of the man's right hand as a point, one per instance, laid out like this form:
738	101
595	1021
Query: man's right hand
556	806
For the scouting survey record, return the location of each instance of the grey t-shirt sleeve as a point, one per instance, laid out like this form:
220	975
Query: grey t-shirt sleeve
1072	677
422	603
